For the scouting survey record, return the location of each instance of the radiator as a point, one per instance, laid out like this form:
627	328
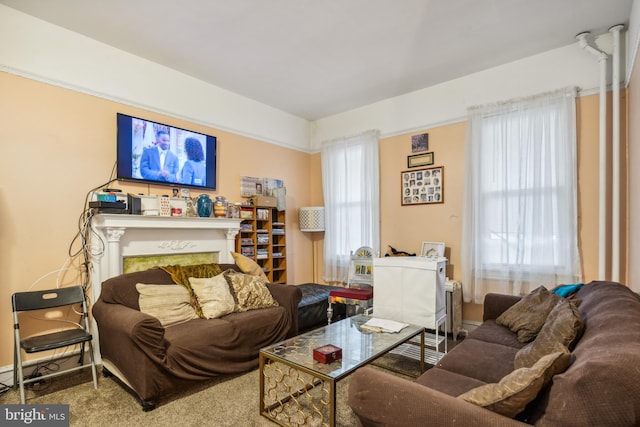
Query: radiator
454	307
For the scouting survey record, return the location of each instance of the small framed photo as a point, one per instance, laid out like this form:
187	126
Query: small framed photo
419	143
184	193
432	249
422	186
425	159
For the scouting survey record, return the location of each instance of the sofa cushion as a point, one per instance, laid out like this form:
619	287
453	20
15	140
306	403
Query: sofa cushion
170	304
490	331
249	266
511	395
489	361
527	316
563	327
448	382
249	292
214	296
203	348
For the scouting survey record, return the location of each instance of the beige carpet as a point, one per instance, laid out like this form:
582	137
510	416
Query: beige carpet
225	401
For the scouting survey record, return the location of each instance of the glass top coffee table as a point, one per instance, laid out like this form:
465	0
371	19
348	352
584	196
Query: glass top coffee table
295	389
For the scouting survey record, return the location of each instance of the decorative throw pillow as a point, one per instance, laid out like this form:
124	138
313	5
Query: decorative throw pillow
511	395
527	316
249	266
170	304
566	291
181	274
213	295
563	327
249	292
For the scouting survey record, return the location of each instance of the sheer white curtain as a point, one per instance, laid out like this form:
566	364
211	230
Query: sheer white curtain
520	218
350	182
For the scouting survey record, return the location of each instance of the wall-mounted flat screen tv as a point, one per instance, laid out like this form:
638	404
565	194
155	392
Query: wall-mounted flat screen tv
156	153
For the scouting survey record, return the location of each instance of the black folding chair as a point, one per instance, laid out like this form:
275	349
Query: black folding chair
47	299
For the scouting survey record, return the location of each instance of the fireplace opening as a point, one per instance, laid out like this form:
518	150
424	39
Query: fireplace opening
132	264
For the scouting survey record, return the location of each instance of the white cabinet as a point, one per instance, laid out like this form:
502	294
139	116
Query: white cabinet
410	290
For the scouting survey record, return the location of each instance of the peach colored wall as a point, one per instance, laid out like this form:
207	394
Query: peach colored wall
58	144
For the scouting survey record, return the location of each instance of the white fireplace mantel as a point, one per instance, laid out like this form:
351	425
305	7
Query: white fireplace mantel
122	236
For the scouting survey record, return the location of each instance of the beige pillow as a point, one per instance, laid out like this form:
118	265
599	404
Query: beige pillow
527	316
170	304
249	292
511	395
249	266
213	295
563	326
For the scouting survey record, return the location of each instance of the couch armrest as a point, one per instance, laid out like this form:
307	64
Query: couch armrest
496	304
382	399
288	297
128	335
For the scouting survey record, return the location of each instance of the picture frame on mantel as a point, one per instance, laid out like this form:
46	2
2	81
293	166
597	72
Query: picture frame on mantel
422	186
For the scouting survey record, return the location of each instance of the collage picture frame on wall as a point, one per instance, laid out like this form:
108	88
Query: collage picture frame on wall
422	186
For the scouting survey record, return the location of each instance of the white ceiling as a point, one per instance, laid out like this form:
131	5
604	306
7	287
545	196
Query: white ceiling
315	58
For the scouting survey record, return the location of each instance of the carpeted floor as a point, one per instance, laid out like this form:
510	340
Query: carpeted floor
225	401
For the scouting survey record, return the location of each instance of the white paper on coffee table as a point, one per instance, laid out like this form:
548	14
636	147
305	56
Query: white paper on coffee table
384	325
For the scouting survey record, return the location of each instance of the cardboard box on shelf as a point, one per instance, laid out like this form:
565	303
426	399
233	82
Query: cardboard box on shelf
266	201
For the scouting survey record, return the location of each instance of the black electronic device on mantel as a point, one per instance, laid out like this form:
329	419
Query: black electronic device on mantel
134	204
193	155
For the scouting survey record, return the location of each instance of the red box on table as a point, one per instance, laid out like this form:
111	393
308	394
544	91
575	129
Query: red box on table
327	353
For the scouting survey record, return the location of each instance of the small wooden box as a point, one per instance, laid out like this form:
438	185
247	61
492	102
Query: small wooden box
327	353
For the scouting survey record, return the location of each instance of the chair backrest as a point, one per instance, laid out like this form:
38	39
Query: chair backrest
50	298
361	267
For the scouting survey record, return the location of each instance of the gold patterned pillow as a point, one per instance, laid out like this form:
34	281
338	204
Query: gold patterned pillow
527	316
563	327
214	296
170	304
249	266
511	395
249	292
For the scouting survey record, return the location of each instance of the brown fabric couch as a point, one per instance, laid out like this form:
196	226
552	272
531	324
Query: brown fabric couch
601	386
154	361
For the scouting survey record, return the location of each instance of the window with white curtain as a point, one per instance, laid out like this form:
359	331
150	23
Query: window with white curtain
520	219
350	183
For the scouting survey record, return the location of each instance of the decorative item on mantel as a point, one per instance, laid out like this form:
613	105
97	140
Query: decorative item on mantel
205	206
190	210
220	207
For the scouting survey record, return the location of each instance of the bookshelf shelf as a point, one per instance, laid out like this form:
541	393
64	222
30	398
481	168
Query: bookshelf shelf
262	237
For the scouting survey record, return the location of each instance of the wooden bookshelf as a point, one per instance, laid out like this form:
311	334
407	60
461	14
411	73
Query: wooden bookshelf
262	237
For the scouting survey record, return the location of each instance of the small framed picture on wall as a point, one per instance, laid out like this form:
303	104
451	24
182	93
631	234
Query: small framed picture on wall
422	186
419	143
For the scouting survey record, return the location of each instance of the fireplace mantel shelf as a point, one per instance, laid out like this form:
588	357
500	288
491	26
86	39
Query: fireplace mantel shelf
142	221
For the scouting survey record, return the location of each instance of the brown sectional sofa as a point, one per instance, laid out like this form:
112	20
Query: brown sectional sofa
154	361
601	386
